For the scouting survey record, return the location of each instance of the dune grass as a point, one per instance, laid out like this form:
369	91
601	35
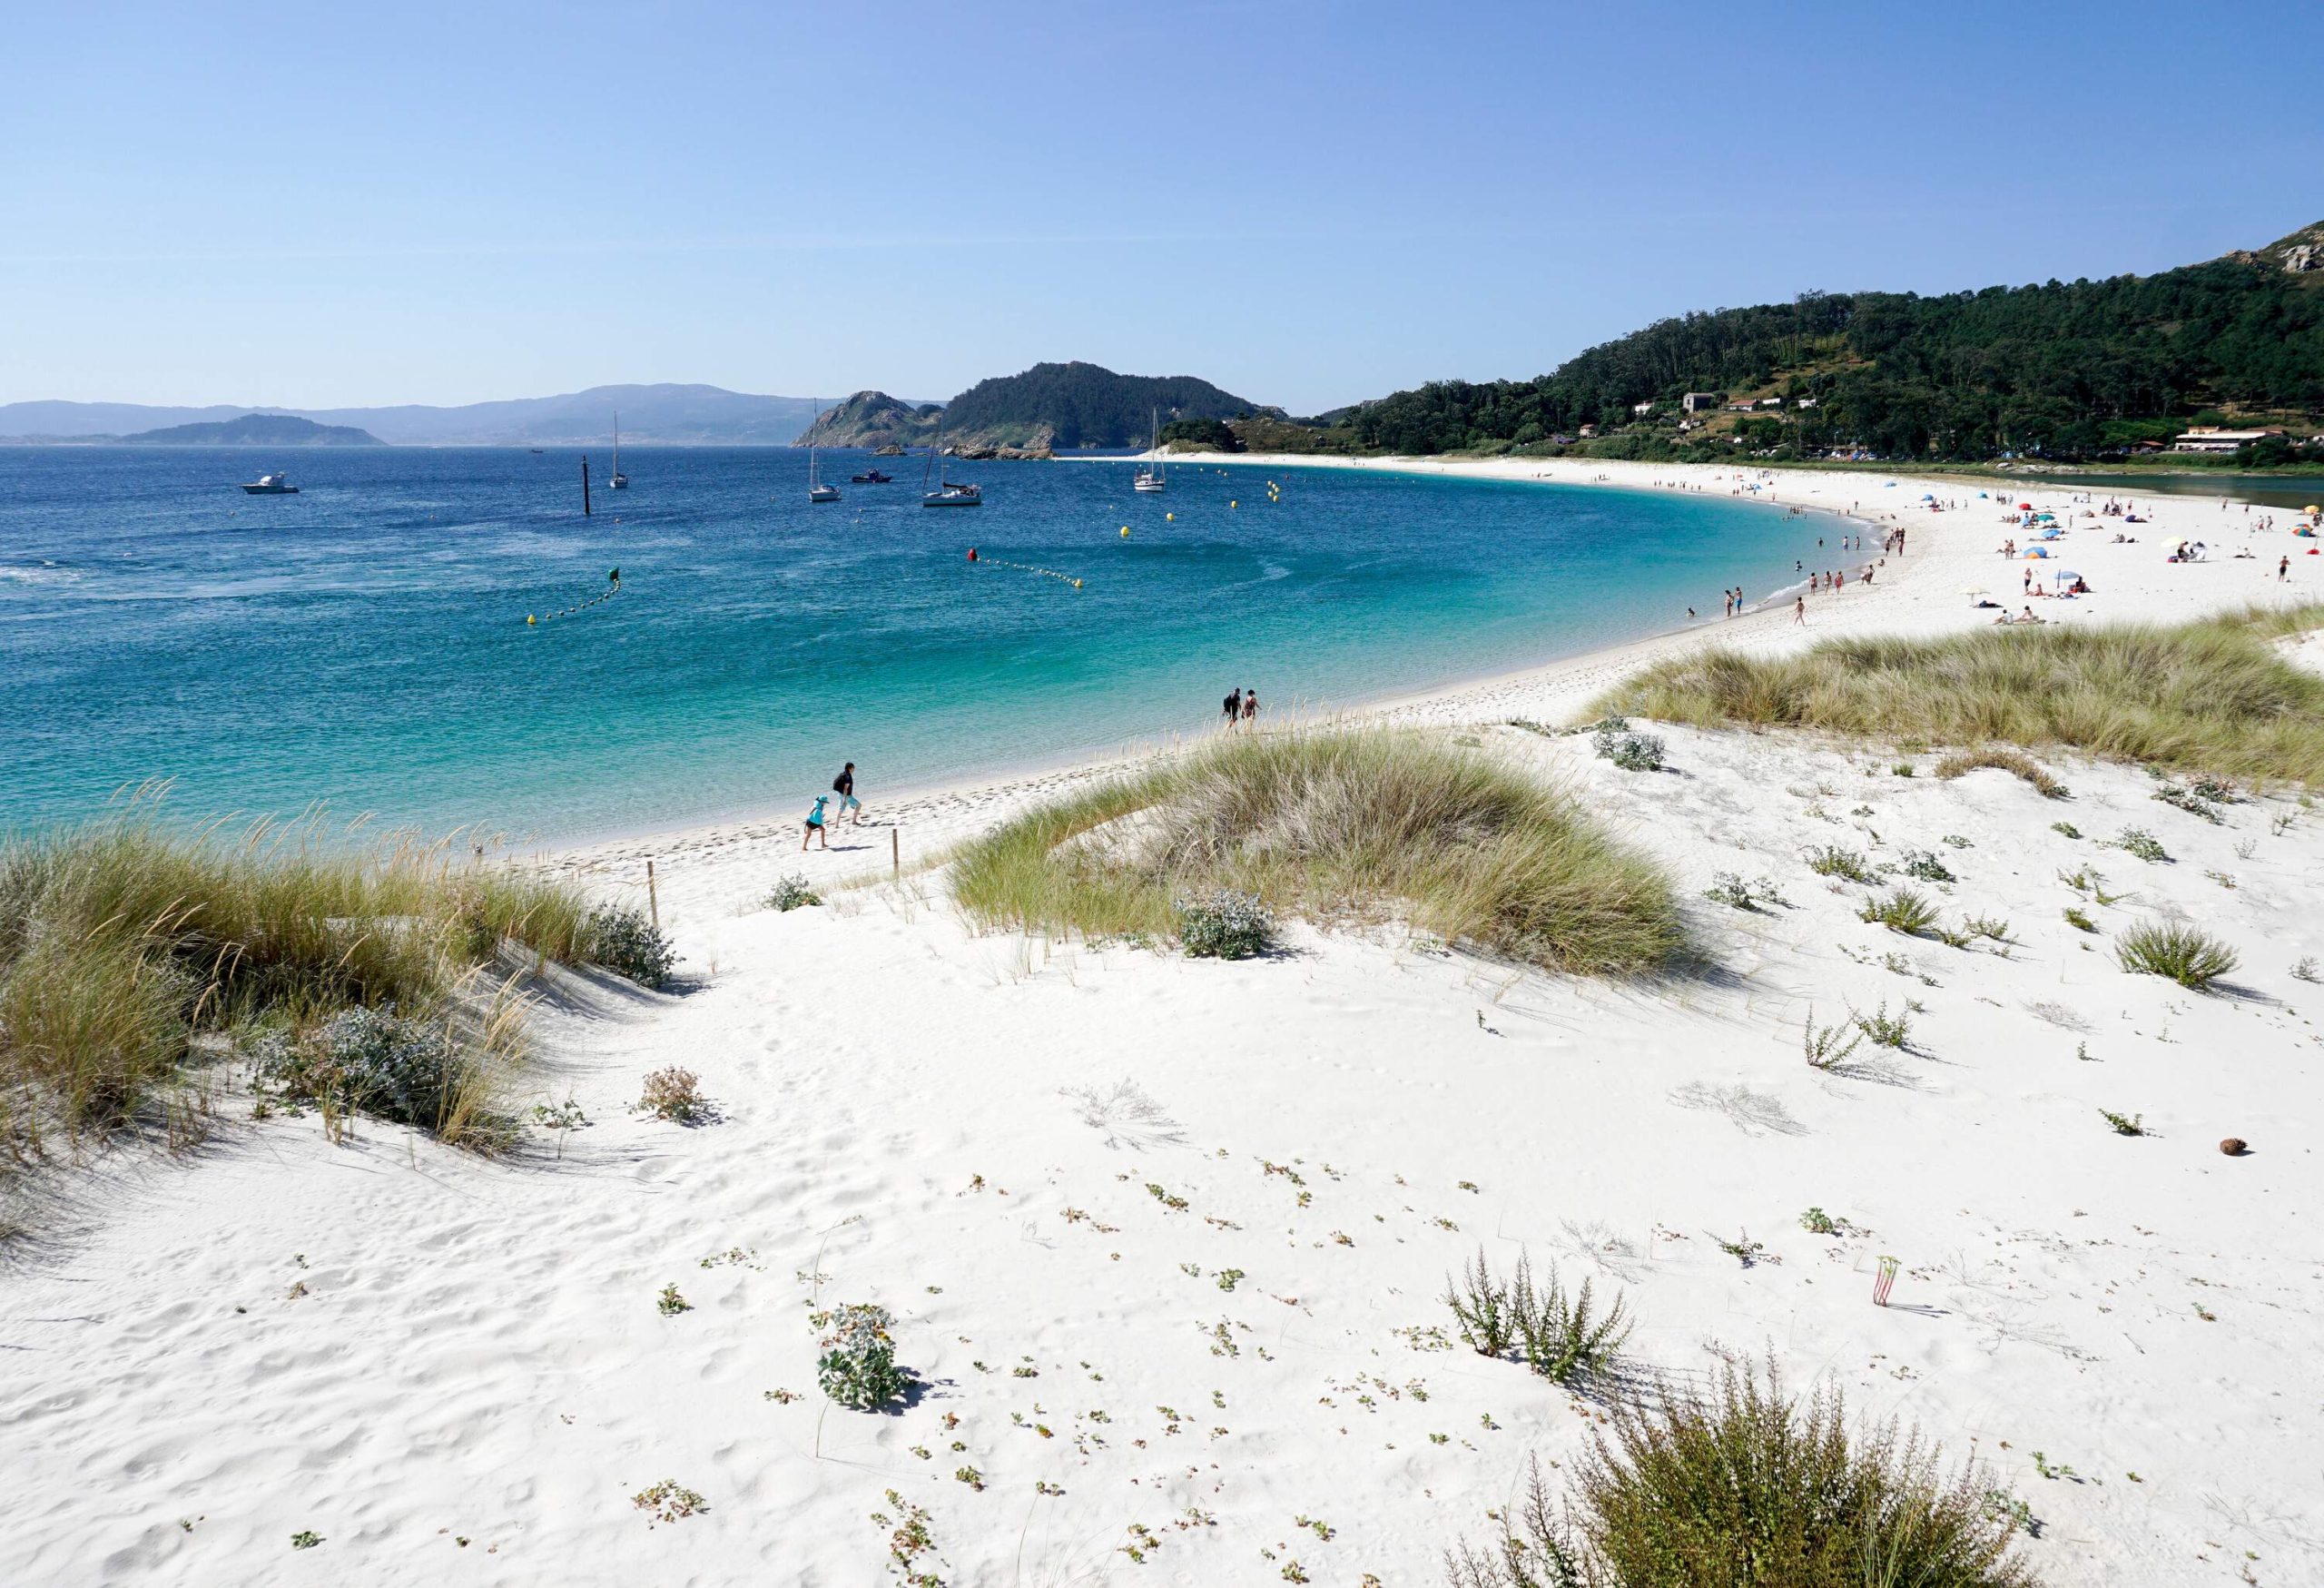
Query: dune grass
125	946
1745	1486
2213	695
1335	824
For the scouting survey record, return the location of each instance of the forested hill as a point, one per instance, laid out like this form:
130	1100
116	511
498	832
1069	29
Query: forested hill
256	430
1081	405
2065	369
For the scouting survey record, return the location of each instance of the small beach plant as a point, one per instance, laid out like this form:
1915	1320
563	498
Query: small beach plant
857	1365
793	893
1924	866
1887	1031
2142	843
624	941
2124	1124
1224	925
1743	1485
674	1093
1632	752
2185	954
1901	909
1832	860
1828	1047
1482	1307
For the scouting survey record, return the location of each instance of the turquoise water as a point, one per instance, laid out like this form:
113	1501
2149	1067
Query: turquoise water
364	643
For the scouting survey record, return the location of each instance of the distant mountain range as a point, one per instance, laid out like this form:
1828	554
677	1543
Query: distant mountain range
255	429
697	415
1048	406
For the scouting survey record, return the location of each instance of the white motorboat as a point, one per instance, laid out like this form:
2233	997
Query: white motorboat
277	484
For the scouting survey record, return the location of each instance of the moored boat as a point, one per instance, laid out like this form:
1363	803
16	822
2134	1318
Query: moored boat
277	484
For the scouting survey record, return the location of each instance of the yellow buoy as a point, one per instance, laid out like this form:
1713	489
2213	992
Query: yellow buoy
1169	518
530	620
1234	504
1077	584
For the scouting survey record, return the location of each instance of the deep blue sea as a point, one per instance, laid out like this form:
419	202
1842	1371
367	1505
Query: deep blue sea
364	643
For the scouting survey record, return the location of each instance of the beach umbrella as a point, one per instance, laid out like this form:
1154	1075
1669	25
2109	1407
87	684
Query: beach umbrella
1927	497
2065	574
2025	507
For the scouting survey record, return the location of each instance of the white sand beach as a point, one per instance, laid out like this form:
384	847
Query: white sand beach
1165	1239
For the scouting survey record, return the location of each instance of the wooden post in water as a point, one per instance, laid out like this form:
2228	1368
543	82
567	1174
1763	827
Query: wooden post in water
652	898
895	856
585	486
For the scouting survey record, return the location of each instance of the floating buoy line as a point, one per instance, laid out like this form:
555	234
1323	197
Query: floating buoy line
613	589
1023	568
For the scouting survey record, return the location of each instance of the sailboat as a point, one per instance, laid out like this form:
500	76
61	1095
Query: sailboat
817	491
619	481
947	494
1150	478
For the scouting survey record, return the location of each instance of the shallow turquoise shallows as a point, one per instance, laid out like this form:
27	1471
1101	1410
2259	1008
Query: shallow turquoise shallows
364	643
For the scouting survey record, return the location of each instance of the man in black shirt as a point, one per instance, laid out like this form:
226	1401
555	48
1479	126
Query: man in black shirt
843	785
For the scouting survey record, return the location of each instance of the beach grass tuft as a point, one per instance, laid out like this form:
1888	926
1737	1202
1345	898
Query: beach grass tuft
2185	954
1746	1486
127	946
1335	824
2214	695
2016	762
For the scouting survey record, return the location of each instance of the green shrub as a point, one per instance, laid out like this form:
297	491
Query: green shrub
1629	751
2184	954
1923	864
1563	1336
1227	926
372	1061
1832	860
793	893
1745	1487
1902	909
1887	1031
624	941
2138	841
857	1367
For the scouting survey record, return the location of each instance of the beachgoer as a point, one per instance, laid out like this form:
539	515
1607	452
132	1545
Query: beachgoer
843	785
2283	570
1799	610
1251	708
1235	706
815	825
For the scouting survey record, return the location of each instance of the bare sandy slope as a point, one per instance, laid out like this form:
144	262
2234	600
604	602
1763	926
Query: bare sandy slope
1164	1237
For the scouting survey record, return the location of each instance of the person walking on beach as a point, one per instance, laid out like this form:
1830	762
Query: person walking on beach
2283	570
815	825
843	785
1235	706
1251	709
1799	611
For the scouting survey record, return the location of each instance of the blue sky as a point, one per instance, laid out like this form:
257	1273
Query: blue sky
1306	202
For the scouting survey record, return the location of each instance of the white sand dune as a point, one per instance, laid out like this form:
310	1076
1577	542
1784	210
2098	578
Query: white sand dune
450	1369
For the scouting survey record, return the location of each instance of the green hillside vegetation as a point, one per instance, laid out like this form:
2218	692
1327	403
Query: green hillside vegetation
2070	371
872	419
1081	405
